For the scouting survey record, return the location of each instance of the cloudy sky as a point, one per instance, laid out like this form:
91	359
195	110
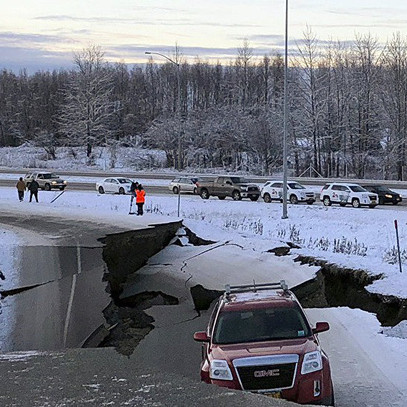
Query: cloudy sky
43	34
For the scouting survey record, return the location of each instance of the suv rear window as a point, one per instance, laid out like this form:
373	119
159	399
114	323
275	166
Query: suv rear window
262	324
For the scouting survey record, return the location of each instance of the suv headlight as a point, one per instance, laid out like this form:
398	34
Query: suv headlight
312	362
220	370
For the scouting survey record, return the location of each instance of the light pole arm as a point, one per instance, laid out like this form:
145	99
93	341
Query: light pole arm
162	55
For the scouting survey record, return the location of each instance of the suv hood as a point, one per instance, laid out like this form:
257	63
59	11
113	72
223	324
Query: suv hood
298	346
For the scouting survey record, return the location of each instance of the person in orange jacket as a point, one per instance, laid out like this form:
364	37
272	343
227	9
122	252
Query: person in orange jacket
140	199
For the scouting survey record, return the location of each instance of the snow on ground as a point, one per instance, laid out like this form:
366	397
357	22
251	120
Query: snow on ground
356	238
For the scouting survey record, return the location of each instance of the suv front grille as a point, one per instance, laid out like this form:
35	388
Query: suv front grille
266	373
252	189
269	377
372	197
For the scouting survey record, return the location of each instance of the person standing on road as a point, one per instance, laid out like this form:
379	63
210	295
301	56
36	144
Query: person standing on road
20	189
33	188
140	199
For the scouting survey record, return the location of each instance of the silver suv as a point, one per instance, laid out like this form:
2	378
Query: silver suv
46	180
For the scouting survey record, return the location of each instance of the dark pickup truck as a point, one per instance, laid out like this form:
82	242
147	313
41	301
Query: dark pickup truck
235	187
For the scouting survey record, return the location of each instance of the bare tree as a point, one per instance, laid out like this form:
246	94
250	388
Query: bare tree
86	116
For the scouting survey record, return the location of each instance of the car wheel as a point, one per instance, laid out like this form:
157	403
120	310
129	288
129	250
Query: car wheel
236	196
343	204
47	187
175	190
372	206
204	194
267	198
327	201
395	203
381	200
101	190
356	203
254	198
310	202
121	191
195	191
221	197
61	188
293	199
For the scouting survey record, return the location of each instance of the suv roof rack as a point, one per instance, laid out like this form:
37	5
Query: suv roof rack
230	289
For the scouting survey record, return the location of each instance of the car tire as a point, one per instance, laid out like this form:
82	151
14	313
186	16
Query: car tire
356	203
236	196
101	190
395	202
195	191
47	187
327	201
381	200
372	206
310	202
221	197
254	198
175	190
122	191
204	194
61	188
267	198
343	204
293	199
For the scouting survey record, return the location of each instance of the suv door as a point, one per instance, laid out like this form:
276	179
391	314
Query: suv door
276	190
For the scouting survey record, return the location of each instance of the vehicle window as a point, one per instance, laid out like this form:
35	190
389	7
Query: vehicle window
357	188
260	325
337	188
114	181
124	180
194	180
277	185
295	185
326	186
108	180
221	180
48	176
40	176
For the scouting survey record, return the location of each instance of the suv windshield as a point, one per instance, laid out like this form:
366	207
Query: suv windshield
357	188
263	324
295	185
50	175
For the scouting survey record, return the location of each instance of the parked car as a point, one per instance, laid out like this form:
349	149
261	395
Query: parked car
385	194
183	184
117	185
273	191
223	186
259	339
46	180
344	194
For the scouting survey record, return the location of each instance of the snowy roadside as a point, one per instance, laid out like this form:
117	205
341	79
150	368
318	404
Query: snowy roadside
355	238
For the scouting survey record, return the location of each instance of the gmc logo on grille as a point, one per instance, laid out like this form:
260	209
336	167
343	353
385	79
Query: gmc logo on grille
267	373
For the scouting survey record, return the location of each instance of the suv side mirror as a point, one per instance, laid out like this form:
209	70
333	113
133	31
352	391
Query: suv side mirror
201	337
320	327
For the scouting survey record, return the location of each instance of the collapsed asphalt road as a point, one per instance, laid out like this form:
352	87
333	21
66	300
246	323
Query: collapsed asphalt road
165	290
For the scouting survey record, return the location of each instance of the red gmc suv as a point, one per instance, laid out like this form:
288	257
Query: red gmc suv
258	339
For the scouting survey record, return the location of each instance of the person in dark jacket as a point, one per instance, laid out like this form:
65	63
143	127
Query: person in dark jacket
20	189
33	188
140	199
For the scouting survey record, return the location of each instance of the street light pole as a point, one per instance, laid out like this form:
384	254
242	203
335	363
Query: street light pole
285	152
179	158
